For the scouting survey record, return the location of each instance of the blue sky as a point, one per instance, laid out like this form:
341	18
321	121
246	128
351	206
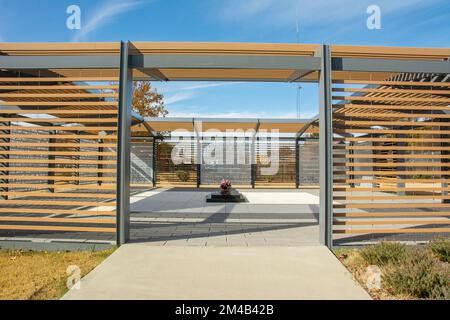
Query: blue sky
404	23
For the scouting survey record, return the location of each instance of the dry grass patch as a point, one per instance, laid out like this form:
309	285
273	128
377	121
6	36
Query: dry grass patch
41	275
407	272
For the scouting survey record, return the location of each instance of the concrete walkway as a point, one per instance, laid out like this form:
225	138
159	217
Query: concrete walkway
141	271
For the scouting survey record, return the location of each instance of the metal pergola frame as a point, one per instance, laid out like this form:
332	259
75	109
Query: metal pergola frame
323	63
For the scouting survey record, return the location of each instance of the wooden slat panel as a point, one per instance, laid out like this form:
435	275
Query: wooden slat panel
414	116
67	185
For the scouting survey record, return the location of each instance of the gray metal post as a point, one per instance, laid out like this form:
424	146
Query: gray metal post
326	149
123	146
154	154
297	164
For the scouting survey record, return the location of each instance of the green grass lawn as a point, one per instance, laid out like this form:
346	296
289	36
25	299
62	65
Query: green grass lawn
41	275
407	272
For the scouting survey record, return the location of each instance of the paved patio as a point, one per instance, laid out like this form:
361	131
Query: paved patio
271	217
144	271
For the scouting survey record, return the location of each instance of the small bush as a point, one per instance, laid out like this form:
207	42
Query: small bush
183	176
384	253
441	248
419	275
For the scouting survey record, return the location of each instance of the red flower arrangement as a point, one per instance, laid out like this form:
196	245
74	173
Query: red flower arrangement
225	185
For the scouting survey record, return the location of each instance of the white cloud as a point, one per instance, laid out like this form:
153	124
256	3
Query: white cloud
105	14
318	12
178	97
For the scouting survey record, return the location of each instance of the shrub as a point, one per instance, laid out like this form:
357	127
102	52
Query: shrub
183	176
441	248
419	275
384	253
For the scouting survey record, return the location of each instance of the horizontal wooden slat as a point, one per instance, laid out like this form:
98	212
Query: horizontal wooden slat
396	156
378	198
392	214
390	205
397	123
62	153
69	170
402	91
59	161
59	103
58	220
91	186
58	87
57	203
59	136
395	83
376	115
48	120
59	145
403	131
56	128
56	194
420	230
375	181
58	211
393	222
394	147
431	188
395	164
380	107
56	228
392	139
389	98
59	178
58	95
57	111
58	79
395	173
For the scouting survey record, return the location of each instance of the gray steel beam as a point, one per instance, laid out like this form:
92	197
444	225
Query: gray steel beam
123	147
325	150
297	75
215	61
60	62
385	65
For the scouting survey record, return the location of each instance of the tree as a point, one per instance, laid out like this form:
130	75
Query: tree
146	100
